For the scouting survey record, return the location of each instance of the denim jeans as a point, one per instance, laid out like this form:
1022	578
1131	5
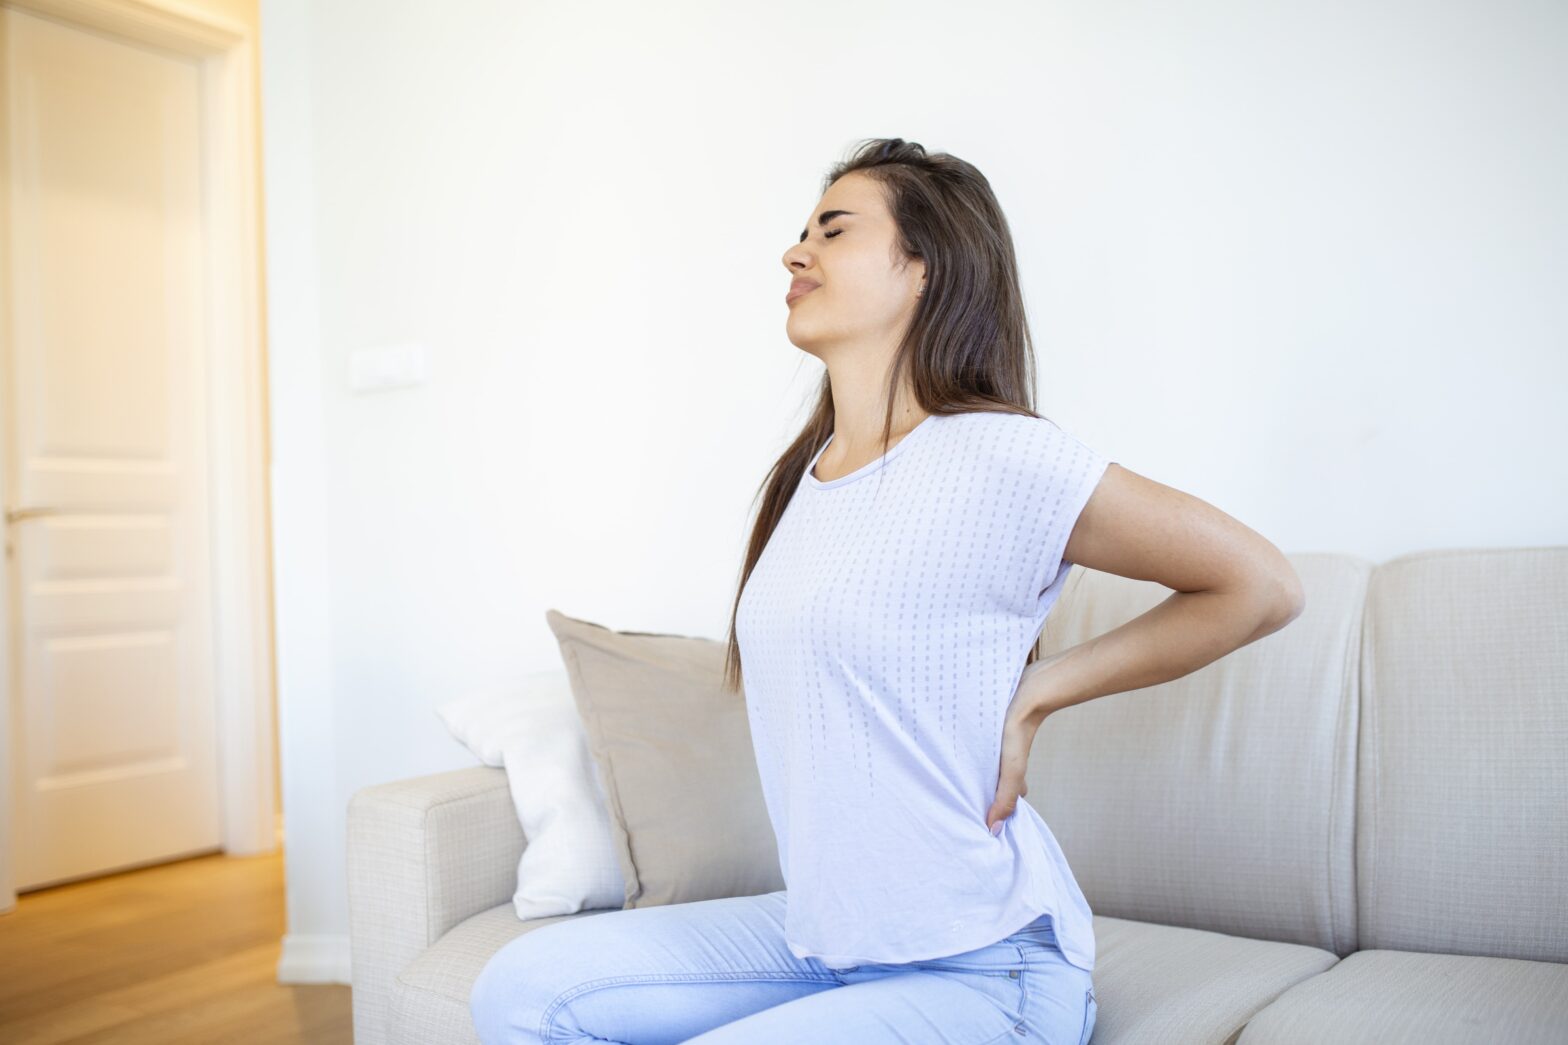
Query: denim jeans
717	972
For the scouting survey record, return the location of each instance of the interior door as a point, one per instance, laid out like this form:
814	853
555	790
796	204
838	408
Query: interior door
114	745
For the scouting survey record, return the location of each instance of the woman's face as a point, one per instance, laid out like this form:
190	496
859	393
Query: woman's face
865	291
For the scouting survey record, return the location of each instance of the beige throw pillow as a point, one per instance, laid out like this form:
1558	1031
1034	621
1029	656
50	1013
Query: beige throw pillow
674	754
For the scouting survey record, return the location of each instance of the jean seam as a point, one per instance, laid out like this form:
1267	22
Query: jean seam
1023	994
1087	995
680	977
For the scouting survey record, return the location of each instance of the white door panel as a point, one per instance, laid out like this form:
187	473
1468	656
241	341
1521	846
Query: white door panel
115	748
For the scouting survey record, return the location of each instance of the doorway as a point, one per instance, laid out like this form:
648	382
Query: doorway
132	446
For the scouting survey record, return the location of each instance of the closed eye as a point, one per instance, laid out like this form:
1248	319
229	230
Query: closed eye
831	233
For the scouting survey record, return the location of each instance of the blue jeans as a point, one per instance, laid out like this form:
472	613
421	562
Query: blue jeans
717	972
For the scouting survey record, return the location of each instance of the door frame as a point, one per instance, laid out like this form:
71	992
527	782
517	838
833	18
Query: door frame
238	480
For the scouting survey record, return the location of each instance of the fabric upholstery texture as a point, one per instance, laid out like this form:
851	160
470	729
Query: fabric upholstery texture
1464	760
1373	997
1352	830
674	752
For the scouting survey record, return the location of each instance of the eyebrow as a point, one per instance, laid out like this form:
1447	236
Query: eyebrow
823	219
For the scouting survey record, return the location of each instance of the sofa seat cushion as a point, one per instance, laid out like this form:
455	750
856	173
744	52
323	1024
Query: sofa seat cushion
1388	997
1153	983
430	997
1164	983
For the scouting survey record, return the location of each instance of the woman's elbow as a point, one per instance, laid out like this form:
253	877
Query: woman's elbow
1289	599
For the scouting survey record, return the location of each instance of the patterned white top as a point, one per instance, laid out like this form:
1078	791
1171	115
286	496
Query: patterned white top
883	633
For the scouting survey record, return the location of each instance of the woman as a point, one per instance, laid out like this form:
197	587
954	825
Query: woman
910	544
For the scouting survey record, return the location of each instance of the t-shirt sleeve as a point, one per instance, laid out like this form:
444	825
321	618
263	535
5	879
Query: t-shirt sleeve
1066	471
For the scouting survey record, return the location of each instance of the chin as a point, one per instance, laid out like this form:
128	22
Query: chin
808	347
801	335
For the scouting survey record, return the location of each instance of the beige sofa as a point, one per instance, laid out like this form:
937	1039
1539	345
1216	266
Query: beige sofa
1353	830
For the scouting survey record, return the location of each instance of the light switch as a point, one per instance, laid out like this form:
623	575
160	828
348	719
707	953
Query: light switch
386	366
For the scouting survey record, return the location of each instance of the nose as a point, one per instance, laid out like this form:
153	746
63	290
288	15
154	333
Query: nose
796	257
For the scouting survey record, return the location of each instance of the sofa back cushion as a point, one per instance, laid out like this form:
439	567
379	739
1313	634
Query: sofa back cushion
1463	793
1223	800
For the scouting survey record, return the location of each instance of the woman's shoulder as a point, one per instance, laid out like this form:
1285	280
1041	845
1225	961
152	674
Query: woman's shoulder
1016	447
1004	431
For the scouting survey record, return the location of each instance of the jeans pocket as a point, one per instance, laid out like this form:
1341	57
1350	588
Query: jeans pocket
1090	1011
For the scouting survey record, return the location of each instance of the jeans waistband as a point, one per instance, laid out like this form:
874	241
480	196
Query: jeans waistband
1041	926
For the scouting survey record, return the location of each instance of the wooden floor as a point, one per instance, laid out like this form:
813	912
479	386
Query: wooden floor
182	952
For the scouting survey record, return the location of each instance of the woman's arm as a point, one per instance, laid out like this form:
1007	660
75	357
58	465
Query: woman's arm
1231	587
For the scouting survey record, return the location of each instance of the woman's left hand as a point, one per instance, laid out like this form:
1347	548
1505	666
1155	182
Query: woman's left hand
1017	738
1024	716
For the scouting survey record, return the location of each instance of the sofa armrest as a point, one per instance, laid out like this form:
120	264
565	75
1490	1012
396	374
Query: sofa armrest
423	854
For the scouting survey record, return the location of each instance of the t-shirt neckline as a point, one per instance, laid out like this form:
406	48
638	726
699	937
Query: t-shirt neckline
869	466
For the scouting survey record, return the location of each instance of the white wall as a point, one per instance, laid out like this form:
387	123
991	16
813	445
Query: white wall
1306	263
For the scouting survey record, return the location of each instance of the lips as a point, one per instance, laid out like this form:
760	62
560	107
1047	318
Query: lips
799	287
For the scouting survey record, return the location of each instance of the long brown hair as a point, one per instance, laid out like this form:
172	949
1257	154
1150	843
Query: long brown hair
967	347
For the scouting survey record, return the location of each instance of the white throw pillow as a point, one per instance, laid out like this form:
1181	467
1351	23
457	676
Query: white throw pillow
534	732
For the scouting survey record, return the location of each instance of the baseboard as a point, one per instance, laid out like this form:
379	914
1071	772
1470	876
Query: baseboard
314	959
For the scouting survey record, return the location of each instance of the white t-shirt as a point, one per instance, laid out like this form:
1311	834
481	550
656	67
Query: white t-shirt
882	634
